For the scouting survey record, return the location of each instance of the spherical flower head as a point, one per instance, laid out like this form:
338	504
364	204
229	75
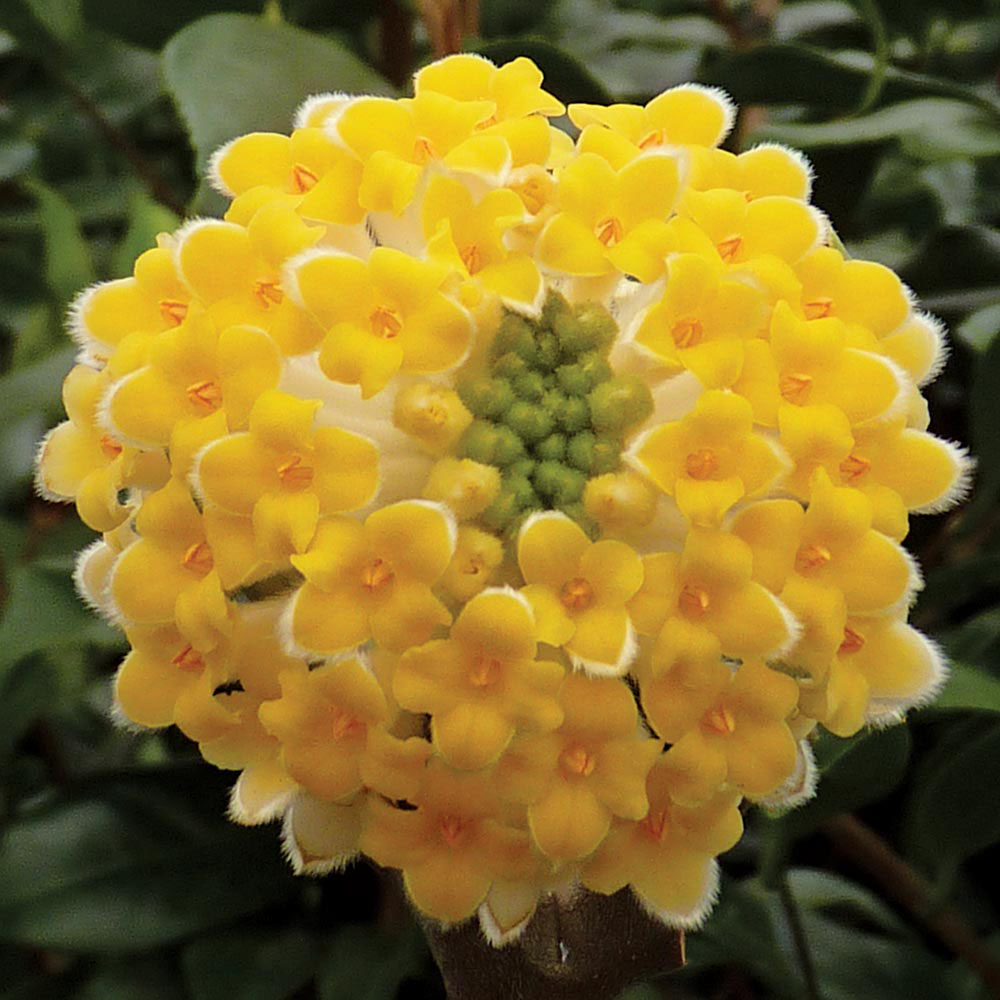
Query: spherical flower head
503	506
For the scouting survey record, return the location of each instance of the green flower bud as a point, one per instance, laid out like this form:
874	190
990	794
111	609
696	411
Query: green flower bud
559	484
555	306
501	512
529	421
485	396
479	442
508	448
619	403
510	365
548	351
552	448
580	450
514	334
574	415
529	386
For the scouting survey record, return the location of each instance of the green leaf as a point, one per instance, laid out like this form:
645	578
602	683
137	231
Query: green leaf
565	76
16	156
853	773
952	812
138	977
362	963
251	963
26	692
36	388
984	419
980	328
147	218
43	612
129	861
969	687
68	264
150	24
232	73
824	892
933	128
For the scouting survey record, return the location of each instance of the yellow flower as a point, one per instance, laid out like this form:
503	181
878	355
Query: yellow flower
373	580
711	459
483	682
451	847
669	856
322	720
709	585
702	319
383	316
578	590
592	768
611	220
284	474
767	169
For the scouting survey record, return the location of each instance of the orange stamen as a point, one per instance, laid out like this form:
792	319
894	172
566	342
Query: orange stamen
531	194
472	258
853	468
656	823
452	828
686	332
576	594
853	641
728	249
485	671
658	137
609	231
345	725
188	659
376	575
206	395
110	447
294	474
302	179
487	122
173	311
794	387
702	464
578	760
385	323
719	720
811	557
818	308
694	601
268	293
423	151
198	558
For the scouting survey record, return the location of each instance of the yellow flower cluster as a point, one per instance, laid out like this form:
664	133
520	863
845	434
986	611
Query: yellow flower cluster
505	506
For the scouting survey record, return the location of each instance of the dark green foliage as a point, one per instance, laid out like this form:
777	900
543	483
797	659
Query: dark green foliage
120	876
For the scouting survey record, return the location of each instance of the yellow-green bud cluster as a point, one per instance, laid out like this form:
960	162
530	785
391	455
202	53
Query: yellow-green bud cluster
549	412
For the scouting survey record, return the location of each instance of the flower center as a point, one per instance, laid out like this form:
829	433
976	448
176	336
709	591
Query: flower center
719	720
472	258
173	311
811	557
531	195
694	601
576	759
609	231
110	447
818	308
385	323
377	575
485	671
729	248
794	387
344	725
452	828
423	150
656	823
302	178
853	641
702	464
658	137
188	659
686	332
268	293
294	475
198	558
853	468
206	395
576	594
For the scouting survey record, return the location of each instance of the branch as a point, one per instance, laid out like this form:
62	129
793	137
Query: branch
911	891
